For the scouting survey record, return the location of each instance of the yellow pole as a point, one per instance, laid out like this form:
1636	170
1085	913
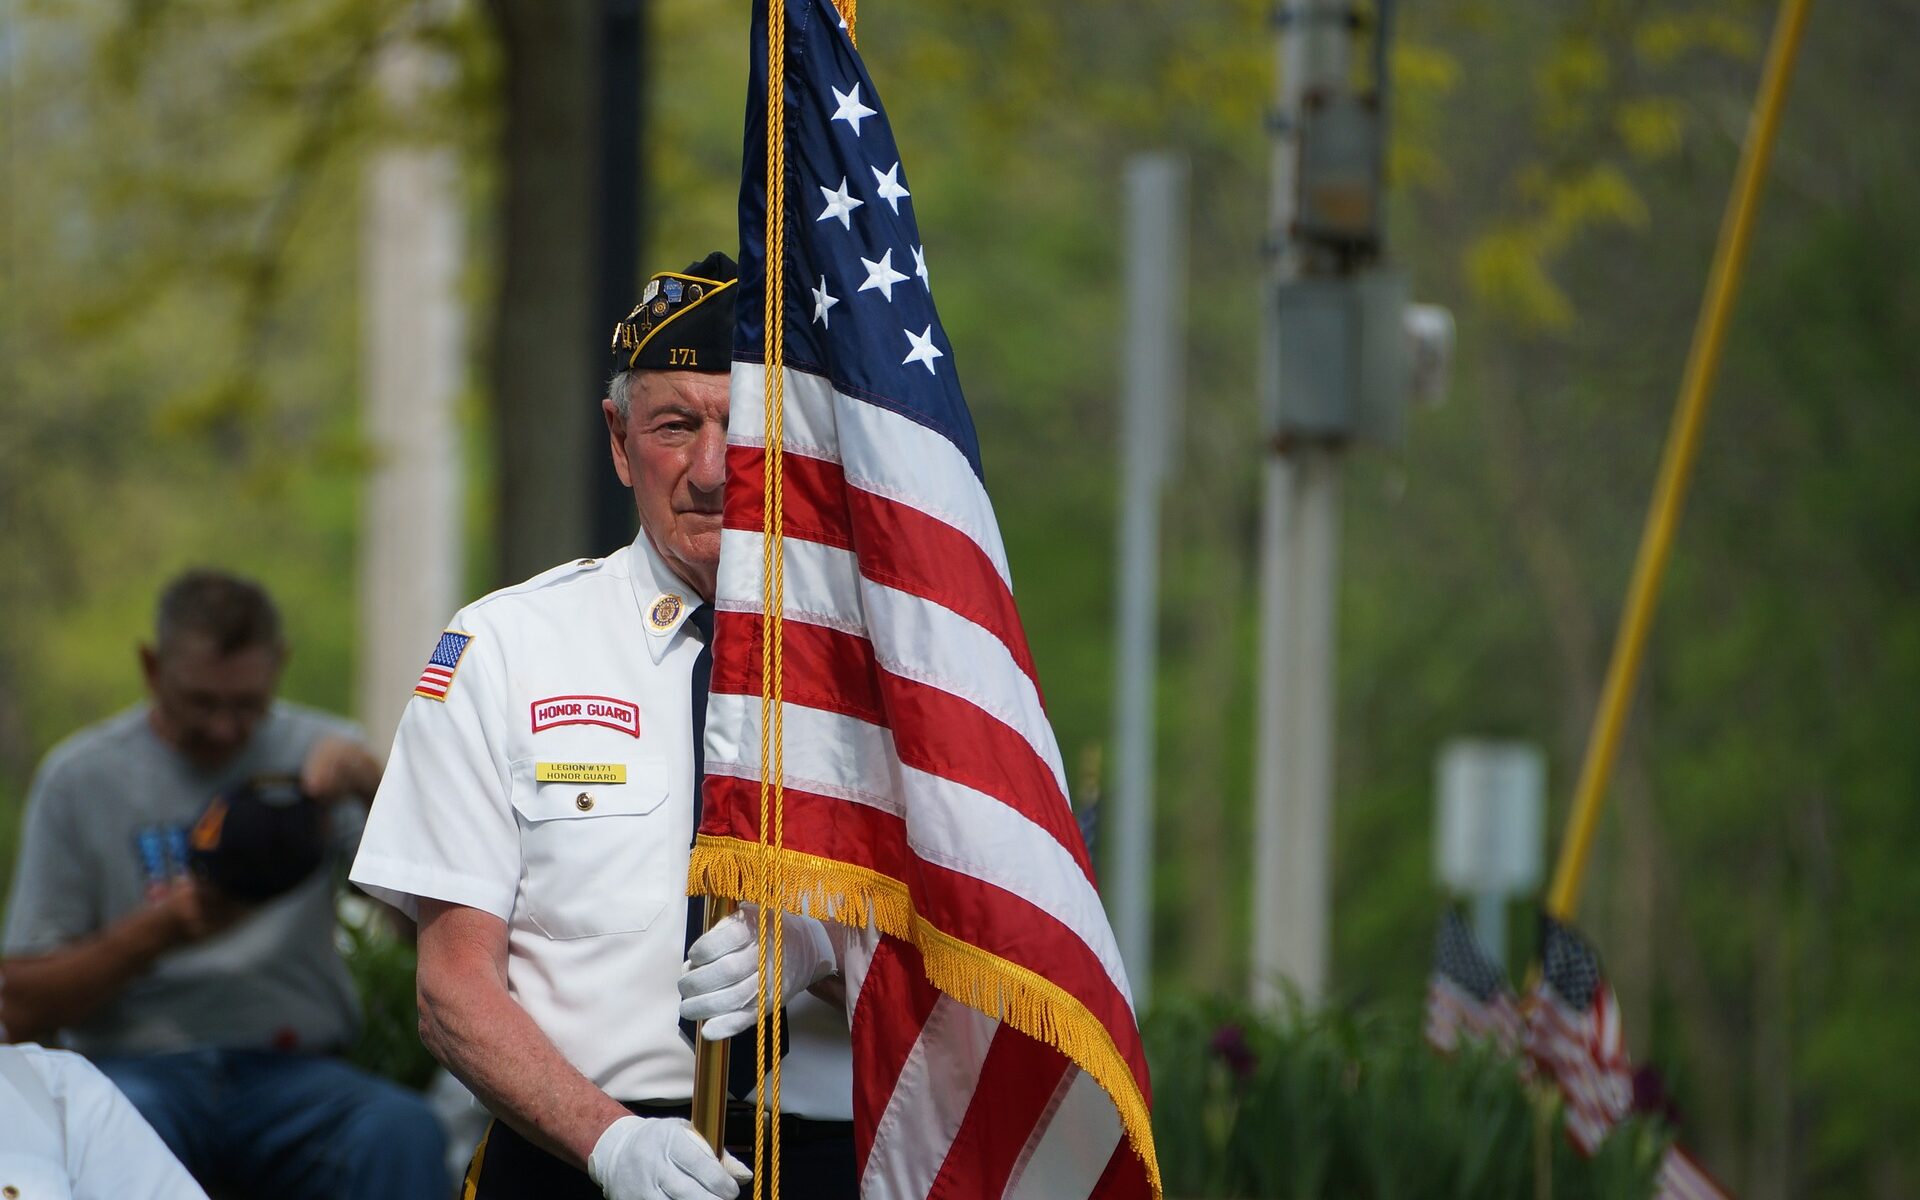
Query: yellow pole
710	1063
1676	465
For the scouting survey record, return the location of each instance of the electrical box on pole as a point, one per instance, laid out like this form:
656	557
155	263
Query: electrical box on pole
1343	359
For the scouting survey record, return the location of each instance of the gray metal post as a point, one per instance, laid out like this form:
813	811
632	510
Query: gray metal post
1299	539
413	348
1154	358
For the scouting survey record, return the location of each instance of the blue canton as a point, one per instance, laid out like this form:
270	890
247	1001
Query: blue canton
447	652
859	301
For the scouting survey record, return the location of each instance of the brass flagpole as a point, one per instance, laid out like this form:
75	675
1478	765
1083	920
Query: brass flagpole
710	1061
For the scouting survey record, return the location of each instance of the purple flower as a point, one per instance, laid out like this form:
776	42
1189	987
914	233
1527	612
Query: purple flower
1651	1098
1229	1045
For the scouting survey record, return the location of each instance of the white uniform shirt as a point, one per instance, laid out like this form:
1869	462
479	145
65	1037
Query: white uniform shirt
543	772
66	1131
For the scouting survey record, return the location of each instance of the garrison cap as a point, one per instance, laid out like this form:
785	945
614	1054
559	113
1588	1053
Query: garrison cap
258	840
684	321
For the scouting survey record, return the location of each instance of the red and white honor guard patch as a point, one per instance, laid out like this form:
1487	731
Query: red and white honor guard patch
623	715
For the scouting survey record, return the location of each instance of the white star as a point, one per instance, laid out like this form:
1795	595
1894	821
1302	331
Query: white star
890	189
881	275
924	351
839	204
822	302
851	110
920	267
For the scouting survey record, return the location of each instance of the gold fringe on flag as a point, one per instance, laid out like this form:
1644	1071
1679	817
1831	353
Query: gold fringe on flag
987	983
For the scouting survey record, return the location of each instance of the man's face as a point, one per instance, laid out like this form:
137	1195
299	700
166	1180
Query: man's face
671	449
205	703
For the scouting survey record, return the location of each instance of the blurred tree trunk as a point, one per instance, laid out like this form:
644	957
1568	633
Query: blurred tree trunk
543	388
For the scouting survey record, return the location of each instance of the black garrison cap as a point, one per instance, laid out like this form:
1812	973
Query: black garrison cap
684	321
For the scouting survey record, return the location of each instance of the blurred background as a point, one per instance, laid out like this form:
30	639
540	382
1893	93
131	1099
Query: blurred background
279	278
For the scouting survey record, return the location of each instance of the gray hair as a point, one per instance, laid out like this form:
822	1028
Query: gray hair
620	391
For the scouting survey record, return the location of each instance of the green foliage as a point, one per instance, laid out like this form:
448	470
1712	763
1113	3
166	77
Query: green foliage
382	970
1353	1104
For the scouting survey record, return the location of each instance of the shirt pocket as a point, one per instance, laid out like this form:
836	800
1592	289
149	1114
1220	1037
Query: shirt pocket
31	1177
601	857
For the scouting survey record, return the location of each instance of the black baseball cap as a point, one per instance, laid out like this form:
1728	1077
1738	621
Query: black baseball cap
258	840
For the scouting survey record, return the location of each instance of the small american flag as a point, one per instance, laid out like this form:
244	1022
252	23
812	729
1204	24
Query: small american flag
995	1047
1467	996
1571	1031
445	660
1573	1034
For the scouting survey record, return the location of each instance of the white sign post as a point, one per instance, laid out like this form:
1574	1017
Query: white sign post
1488	844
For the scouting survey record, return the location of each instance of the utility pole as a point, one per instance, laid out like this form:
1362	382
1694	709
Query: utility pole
1155	369
413	354
1337	348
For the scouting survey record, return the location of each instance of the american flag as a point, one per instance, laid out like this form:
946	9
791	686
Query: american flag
1467	996
441	664
995	1046
1573	1034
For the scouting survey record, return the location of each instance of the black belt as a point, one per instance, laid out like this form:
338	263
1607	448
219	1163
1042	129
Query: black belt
793	1127
817	1161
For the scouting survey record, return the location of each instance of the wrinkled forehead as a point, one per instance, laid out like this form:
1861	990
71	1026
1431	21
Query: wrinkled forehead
699	393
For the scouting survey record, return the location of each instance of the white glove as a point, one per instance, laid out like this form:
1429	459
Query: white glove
721	986
662	1158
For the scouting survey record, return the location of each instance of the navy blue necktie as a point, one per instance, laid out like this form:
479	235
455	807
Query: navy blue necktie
740	1062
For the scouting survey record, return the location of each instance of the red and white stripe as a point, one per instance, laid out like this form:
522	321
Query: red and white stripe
1454	1013
1586	1055
917	746
1681	1178
434	681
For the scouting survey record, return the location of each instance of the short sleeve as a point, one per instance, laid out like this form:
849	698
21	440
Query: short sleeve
442	825
111	1150
54	900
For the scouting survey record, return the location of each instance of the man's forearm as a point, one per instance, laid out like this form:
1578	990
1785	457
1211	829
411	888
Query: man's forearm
48	992
481	1034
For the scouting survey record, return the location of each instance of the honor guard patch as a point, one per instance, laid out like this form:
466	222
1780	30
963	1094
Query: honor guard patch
623	715
437	679
665	611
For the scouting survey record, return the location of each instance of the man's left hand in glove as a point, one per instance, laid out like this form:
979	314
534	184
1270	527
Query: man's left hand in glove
722	985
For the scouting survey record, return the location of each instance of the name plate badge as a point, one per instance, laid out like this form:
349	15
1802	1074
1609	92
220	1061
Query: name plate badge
558	772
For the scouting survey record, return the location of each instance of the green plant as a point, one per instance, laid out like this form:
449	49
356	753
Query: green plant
382	970
1353	1105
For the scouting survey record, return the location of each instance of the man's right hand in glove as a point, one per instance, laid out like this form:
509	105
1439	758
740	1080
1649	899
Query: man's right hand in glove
662	1158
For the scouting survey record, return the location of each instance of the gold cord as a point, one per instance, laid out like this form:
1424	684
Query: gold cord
766	1113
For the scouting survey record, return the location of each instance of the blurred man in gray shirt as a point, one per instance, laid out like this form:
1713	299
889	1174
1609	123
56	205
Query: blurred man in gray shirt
220	1018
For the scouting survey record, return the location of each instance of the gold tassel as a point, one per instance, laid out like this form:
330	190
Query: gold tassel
987	983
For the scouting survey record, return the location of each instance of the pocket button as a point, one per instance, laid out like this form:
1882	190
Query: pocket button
583	802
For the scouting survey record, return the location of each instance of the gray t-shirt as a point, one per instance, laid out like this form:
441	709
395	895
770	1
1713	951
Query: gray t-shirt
107	822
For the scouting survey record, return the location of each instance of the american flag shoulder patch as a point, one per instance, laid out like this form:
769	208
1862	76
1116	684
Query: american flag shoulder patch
437	679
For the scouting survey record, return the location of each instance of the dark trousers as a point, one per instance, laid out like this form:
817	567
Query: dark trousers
816	1160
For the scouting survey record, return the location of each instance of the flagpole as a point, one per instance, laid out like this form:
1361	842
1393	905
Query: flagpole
1676	467
710	1061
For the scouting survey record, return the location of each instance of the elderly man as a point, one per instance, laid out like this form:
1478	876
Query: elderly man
537	815
219	1013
